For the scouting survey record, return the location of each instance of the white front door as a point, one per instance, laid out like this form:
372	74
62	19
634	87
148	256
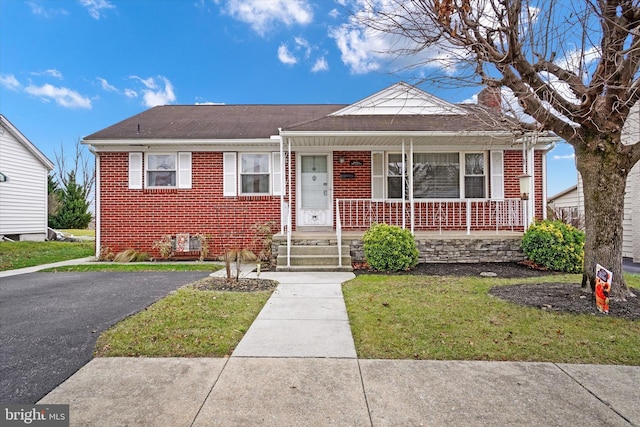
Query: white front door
314	191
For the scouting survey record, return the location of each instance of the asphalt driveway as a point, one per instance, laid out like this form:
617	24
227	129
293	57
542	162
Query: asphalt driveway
49	322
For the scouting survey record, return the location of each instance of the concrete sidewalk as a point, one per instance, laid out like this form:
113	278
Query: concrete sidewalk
296	365
26	270
325	392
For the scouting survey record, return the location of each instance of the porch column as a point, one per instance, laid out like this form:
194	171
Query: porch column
528	162
404	187
282	183
411	201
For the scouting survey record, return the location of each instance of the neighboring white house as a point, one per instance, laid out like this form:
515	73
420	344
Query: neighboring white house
23	186
567	203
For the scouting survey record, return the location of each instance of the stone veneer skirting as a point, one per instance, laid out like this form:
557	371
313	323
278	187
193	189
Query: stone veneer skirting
449	250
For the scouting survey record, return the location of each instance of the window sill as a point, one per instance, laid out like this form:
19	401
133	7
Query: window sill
256	197
160	190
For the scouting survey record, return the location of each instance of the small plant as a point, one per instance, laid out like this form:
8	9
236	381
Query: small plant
390	248
264	238
131	255
164	246
204	246
106	254
232	260
555	245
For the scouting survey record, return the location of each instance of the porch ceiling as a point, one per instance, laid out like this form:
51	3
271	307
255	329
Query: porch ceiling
346	141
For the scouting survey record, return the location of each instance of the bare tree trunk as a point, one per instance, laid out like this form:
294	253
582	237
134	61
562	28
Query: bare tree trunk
604	175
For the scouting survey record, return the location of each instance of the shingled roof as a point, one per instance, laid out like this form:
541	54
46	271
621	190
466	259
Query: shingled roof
212	121
476	119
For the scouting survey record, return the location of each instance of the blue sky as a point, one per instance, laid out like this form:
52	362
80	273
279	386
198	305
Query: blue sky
69	68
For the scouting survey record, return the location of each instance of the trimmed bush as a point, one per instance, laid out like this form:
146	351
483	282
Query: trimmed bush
390	248
555	245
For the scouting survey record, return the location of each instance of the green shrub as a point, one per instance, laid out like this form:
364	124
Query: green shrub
390	248
555	245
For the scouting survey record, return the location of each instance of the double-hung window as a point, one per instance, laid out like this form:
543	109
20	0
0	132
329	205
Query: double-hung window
474	175
249	174
436	175
161	170
254	173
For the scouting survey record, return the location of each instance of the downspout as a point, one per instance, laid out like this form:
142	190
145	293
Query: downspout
97	203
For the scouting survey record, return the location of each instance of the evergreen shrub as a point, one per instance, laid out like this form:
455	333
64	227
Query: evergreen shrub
555	245
390	248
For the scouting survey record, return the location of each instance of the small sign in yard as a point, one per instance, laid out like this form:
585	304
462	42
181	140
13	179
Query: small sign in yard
603	287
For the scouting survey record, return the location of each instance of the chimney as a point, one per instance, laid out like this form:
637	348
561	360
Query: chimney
491	97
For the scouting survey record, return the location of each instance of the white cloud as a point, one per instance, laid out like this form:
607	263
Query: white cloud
9	81
303	44
285	56
130	93
320	65
52	72
106	86
334	13
158	91
565	157
265	15
40	10
97	8
63	96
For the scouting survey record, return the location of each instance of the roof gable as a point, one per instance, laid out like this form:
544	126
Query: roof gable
6	124
401	99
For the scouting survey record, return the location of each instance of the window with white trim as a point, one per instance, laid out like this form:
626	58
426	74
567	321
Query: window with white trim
474	176
161	170
252	174
441	175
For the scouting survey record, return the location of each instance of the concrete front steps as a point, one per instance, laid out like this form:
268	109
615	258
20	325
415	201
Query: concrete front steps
313	258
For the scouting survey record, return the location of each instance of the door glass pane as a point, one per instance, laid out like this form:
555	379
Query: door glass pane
315	194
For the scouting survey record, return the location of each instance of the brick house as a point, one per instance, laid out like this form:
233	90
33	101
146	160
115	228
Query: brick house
322	174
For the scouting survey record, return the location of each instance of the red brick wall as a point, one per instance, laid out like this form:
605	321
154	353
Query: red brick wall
136	218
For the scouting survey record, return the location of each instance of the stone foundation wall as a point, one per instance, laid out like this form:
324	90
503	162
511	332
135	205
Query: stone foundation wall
458	250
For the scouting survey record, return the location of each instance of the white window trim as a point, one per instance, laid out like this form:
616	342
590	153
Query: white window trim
496	176
232	174
269	172
488	172
183	162
463	174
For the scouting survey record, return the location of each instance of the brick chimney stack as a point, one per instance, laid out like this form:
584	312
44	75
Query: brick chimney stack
491	97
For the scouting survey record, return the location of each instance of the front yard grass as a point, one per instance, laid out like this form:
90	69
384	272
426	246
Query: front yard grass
28	254
454	318
187	323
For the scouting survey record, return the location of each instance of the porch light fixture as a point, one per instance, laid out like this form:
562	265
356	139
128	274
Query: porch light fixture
525	186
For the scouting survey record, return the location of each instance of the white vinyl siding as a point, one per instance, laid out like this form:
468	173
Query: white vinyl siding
135	171
497	174
229	165
23	198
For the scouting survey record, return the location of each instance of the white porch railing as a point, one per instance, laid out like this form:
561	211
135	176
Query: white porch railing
288	226
431	215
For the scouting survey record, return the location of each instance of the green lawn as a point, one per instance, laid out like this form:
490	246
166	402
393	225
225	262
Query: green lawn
27	254
453	318
187	323
79	232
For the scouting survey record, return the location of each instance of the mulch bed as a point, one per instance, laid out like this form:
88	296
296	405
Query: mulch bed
243	284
